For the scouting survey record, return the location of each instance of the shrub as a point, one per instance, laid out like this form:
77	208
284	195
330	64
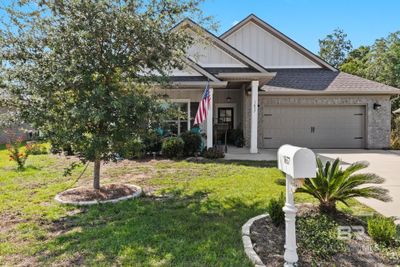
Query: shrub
192	143
395	134
36	149
132	149
54	149
382	230
280	181
57	148
318	235
275	211
235	137
16	154
152	142
333	184
68	150
172	147
213	153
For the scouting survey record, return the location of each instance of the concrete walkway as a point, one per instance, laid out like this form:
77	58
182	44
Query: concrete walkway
385	163
242	153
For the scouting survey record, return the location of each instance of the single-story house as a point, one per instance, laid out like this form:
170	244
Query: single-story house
277	91
10	132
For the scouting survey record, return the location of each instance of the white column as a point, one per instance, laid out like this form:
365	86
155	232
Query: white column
188	116
210	120
290	210
254	117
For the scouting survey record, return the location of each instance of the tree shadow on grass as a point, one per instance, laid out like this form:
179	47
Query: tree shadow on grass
179	231
32	167
247	163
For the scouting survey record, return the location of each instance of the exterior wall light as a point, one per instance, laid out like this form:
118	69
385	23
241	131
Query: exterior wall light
228	99
377	106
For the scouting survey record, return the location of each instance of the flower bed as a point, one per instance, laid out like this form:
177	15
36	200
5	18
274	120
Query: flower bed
90	196
319	245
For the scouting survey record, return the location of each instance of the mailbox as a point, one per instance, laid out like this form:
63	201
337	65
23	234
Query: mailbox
298	162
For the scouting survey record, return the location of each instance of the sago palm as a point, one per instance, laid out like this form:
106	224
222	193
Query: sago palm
333	184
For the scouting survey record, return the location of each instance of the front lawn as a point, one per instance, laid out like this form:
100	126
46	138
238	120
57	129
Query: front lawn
192	215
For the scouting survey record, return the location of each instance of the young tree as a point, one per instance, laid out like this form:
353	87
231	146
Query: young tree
80	71
335	47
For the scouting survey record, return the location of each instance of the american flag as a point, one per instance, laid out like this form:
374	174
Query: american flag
201	114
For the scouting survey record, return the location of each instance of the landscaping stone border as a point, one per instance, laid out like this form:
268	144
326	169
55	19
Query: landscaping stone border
248	245
138	192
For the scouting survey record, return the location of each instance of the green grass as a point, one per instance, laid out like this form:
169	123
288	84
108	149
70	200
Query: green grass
195	221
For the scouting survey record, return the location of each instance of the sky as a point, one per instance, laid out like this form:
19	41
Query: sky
306	21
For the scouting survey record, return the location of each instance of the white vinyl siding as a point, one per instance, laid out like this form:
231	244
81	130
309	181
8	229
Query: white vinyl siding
206	54
187	71
266	49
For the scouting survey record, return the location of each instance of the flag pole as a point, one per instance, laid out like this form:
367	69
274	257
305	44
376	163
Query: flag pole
210	117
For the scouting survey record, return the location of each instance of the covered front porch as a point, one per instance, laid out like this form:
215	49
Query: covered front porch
233	105
242	153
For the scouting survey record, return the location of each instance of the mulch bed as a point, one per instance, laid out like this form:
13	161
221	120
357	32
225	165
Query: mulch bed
106	192
269	243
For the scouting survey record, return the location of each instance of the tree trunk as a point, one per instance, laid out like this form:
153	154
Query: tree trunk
96	175
328	207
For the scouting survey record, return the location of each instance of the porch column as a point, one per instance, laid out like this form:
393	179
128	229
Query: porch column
254	117
210	120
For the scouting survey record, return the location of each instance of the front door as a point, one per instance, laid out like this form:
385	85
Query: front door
225	115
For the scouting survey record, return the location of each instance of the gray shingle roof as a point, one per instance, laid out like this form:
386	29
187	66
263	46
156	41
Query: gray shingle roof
187	78
323	81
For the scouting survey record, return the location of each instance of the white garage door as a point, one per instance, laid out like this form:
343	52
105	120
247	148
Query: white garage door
314	126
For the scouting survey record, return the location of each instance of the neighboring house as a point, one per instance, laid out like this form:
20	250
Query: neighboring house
10	132
278	92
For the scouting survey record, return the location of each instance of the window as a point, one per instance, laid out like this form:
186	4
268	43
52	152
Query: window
194	106
185	122
225	115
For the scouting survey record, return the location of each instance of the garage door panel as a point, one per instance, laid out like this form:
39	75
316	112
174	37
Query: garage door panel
314	126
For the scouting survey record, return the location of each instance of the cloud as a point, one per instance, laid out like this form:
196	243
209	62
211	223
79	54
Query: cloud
235	22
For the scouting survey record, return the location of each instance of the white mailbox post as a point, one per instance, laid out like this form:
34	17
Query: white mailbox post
297	163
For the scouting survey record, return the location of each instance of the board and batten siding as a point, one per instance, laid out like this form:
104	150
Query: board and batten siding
266	49
206	54
186	71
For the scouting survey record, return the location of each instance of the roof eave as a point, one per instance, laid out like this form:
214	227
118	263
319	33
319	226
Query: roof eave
305	92
263	78
199	84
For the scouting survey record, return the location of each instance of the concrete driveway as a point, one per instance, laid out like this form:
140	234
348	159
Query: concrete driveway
383	163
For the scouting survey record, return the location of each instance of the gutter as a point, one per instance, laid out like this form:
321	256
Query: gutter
305	93
200	84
